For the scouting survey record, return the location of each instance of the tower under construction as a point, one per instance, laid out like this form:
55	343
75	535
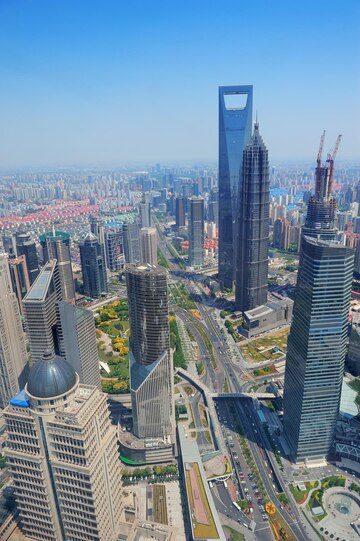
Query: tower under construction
321	213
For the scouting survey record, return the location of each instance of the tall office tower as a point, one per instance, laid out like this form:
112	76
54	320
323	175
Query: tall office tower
321	212
97	228
19	276
131	243
145	213
148	241
40	308
112	239
179	212
93	266
196	231
253	226
56	245
13	359
357	260
79	335
151	371
62	454
235	122
316	348
27	247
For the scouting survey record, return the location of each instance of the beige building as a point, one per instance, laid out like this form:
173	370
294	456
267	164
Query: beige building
148	244
62	454
13	359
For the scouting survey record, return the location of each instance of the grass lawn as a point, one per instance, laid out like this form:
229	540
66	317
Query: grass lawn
316	501
301	495
262	349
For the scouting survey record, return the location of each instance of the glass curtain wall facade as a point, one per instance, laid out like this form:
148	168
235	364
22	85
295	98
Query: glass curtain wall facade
317	348
196	232
253	226
235	123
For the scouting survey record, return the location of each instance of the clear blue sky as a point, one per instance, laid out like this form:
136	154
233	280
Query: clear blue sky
113	81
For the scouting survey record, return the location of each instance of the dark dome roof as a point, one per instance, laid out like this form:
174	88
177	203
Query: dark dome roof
52	376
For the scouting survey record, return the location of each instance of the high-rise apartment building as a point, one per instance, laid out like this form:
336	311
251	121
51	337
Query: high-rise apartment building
131	241
281	234
253	226
40	308
148	242
151	371
196	231
80	348
317	348
93	266
56	245
235	122
26	246
8	243
179	212
13	358
62	454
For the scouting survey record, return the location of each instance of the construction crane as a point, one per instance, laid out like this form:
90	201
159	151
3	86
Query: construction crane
318	161
330	160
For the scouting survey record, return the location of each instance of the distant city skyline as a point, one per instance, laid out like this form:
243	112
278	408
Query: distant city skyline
113	83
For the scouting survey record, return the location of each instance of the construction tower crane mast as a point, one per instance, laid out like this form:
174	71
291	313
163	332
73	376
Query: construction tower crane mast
330	160
318	168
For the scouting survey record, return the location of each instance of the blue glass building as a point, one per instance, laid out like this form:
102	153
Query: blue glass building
316	348
235	125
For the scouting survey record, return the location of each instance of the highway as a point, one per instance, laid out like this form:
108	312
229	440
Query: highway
233	372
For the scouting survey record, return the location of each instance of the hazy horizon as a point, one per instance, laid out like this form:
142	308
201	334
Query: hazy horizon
111	83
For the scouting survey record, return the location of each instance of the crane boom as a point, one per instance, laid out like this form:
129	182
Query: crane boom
318	164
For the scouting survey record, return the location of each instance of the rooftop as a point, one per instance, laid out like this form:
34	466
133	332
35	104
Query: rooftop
39	289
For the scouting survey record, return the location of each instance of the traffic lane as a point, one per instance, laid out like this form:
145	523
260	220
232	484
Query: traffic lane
246	487
217	380
252	440
294	513
239	462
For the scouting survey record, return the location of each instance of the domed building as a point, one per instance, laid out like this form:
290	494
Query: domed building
60	439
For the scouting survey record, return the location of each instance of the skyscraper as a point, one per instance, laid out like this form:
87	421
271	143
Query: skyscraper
19	276
235	122
56	245
253	226
321	212
131	243
97	228
151	372
13	359
148	241
40	308
93	266
196	231
179	212
80	348
145	213
62	454
316	348
112	239
27	247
